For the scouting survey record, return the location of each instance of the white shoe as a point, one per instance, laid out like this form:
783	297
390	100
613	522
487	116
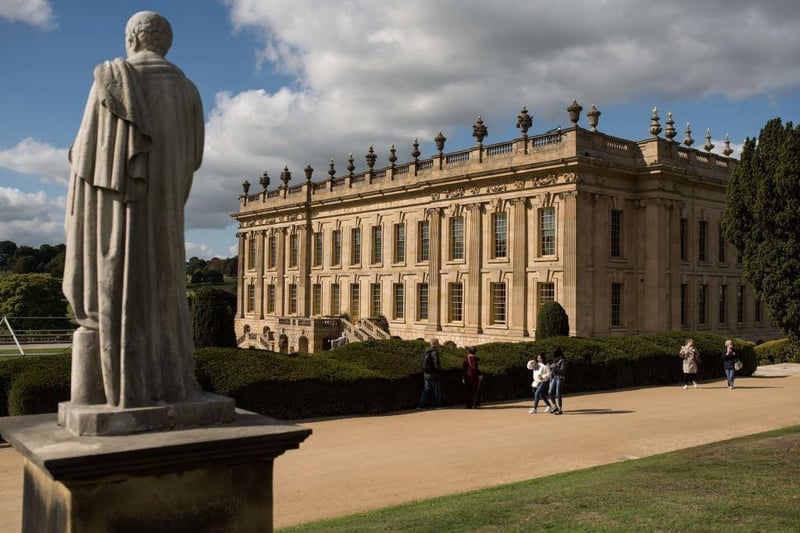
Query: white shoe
686	387
532	411
695	384
547	410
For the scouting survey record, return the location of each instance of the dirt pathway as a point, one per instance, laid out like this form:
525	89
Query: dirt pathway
355	464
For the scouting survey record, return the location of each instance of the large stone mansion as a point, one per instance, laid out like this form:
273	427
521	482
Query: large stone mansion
466	246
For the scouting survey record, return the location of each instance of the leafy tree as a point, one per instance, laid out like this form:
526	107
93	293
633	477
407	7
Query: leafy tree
7	250
231	266
33	295
552	321
197	277
214	276
194	264
212	318
25	264
762	220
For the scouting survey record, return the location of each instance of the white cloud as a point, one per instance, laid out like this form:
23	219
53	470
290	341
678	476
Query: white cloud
198	250
39	159
31	218
33	12
377	73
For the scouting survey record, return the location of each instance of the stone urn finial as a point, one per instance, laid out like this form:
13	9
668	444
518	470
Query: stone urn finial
246	186
264	180
594	117
440	140
286	176
416	153
392	155
709	145
524	121
331	169
371	157
670	131
655	126
727	150
688	141
574	111
308	172
479	130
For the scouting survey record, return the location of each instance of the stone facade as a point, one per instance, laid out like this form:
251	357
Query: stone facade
466	246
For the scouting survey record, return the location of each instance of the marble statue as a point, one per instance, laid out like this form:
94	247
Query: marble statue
132	163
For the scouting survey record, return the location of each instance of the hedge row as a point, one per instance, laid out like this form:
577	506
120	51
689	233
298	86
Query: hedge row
779	351
380	376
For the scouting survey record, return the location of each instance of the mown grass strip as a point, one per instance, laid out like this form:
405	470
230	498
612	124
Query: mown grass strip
746	484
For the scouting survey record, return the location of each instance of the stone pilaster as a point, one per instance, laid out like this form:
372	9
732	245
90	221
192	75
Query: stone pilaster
517	292
304	271
474	287
260	241
567	234
240	285
434	216
280	282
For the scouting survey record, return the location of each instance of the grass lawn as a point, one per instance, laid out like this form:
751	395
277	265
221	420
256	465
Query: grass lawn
746	484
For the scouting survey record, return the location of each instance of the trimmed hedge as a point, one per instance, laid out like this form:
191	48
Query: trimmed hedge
778	351
380	376
34	385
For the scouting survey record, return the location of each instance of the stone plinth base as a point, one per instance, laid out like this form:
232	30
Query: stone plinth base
212	478
103	420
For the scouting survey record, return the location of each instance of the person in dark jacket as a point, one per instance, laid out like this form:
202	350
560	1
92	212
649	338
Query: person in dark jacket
558	373
432	373
729	362
472	379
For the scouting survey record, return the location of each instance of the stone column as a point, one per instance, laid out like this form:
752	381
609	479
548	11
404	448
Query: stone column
240	303
654	308
280	275
434	216
304	271
518	291
260	240
567	233
474	287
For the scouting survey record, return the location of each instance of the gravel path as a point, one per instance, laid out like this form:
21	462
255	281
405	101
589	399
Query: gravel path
355	464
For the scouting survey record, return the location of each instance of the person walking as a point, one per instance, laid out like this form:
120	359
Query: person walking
729	362
691	359
472	379
432	374
558	373
541	381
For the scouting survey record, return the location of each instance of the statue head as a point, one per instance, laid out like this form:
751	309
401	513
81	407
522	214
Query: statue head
147	30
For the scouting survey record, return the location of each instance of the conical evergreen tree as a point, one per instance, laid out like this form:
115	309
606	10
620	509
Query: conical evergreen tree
762	220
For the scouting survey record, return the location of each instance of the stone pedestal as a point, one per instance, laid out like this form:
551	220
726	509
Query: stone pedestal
102	420
211	478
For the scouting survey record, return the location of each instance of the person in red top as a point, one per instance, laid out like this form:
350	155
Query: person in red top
472	379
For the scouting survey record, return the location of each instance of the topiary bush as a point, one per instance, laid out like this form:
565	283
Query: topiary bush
212	318
552	321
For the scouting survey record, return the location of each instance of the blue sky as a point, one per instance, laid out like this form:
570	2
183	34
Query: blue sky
301	81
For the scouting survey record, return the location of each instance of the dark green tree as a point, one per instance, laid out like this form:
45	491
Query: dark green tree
762	220
197	277
7	250
33	295
231	266
214	276
552	321
212	318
